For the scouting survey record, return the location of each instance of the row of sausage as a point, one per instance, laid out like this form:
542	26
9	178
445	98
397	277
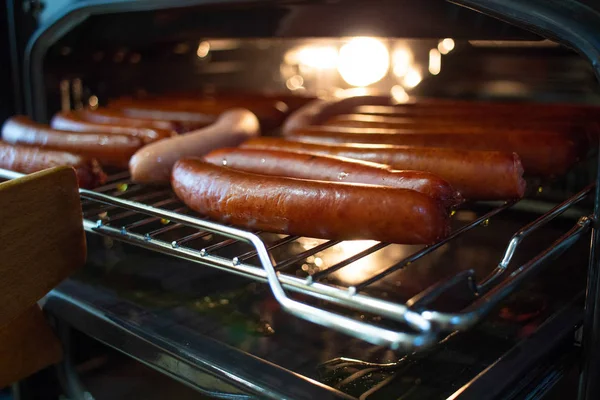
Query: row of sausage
359	168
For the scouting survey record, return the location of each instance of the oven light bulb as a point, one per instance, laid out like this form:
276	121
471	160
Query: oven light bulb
399	94
412	78
363	61
446	46
313	57
435	61
203	49
401	59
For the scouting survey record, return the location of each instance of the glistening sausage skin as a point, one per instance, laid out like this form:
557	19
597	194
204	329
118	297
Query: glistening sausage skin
27	160
108	149
70	121
329	210
153	163
550	154
477	175
333	169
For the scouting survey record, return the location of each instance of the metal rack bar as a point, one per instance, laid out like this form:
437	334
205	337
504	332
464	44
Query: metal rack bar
165	229
189	238
323	273
306	254
524	232
126	214
225	243
143	197
428	249
273	245
150	220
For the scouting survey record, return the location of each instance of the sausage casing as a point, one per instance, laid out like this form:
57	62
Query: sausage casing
109	150
318	111
71	121
545	155
28	159
477	175
333	169
108	116
475	124
329	210
153	163
267	111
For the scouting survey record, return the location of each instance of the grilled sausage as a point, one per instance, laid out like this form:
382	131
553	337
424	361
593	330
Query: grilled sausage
71	121
544	155
270	113
153	163
107	116
27	159
444	107
476	124
108	149
477	175
333	169
331	210
318	111
189	120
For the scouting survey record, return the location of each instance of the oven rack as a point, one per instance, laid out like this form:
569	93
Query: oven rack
422	325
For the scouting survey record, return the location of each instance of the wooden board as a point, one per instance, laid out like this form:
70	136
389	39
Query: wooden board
27	344
41	237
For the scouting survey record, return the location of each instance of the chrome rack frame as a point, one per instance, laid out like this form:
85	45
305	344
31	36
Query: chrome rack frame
426	325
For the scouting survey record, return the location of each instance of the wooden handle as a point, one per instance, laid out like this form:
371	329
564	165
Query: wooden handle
27	344
42	238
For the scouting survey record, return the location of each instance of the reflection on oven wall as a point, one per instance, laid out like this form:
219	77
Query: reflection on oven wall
538	70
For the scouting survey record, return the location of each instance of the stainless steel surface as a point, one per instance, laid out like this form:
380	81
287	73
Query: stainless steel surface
422	324
198	365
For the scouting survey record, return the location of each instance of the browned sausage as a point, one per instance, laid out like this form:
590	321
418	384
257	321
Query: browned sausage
109	150
153	163
477	175
71	121
333	169
270	113
549	154
108	116
27	159
440	107
319	111
331	210
476	124
189	120
316	113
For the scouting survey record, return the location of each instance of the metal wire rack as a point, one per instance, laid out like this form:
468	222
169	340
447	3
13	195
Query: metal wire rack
152	218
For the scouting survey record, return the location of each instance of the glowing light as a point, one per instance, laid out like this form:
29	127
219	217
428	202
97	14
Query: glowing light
402	59
399	94
360	269
320	57
93	102
435	61
357	91
295	82
446	46
363	61
203	49
412	78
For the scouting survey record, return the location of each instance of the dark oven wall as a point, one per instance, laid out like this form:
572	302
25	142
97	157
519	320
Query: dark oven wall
124	46
6	90
266	49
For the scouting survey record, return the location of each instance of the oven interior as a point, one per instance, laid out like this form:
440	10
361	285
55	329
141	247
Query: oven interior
183	286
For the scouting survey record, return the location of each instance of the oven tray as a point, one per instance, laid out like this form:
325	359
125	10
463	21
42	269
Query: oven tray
348	291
